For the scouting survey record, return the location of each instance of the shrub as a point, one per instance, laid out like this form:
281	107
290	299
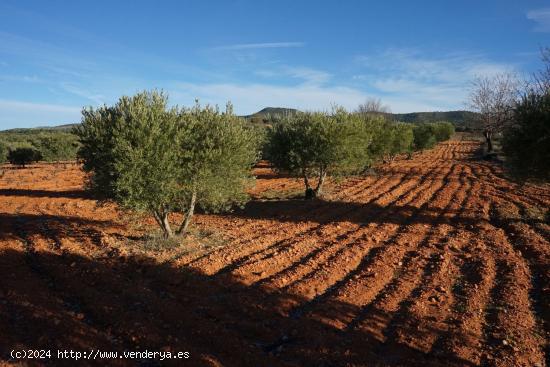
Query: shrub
382	137
314	145
424	137
526	142
24	156
388	138
148	157
442	130
56	146
402	139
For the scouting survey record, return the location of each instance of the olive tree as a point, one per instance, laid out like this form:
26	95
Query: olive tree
314	145
56	146
23	156
402	139
148	157
382	137
424	137
442	130
217	153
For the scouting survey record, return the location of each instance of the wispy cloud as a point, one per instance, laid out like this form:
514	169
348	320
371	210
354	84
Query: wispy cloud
541	17
78	91
307	75
250	46
409	77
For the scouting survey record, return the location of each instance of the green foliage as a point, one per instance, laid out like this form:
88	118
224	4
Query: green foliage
427	135
382	137
54	145
316	144
97	141
218	151
57	146
424	137
526	142
402	139
24	156
389	138
3	152
463	120
152	158
442	130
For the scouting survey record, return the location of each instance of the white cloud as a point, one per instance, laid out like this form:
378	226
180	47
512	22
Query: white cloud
249	46
28	114
541	17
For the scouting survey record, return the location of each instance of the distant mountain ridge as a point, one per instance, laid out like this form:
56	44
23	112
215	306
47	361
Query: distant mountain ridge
460	118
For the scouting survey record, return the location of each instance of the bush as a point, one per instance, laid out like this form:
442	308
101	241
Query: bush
24	156
382	137
526	142
56	146
388	138
402	139
424	137
442	130
314	145
148	157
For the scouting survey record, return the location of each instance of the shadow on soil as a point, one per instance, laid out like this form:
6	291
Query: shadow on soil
70	194
337	211
67	301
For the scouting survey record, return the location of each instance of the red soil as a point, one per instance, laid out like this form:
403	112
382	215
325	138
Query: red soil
435	261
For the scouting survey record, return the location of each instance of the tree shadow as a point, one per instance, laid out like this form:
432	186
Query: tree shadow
54	226
70	194
320	211
68	301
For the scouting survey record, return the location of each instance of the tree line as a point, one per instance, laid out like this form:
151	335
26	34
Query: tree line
153	158
24	147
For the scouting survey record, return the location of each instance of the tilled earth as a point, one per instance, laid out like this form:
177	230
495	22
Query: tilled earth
434	261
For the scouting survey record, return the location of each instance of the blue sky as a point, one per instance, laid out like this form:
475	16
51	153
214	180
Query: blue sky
58	56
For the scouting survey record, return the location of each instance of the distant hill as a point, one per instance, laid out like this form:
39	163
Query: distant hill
64	128
464	119
262	116
461	119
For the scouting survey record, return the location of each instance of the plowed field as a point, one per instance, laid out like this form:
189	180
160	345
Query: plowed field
434	261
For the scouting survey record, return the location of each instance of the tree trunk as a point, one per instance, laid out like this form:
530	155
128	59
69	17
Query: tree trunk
188	215
488	139
309	194
319	188
162	220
